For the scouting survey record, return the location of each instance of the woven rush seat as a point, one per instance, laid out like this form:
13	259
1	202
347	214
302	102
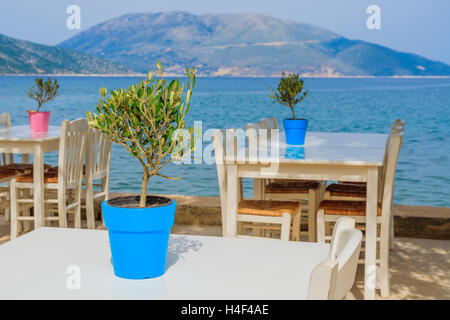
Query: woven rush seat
354	183
291	186
347	190
7	173
24	166
345	208
267	207
51	176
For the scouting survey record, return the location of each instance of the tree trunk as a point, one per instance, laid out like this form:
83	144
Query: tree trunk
143	198
293	114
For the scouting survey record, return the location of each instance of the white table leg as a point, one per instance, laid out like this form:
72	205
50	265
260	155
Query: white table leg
232	196
371	234
38	192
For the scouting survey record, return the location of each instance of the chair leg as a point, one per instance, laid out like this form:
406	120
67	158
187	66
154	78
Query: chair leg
320	226
296	224
384	261
62	212
391	231
13	206
285	227
90	218
77	197
312	209
26	212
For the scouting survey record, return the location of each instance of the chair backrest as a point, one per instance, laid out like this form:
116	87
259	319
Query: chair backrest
255	132
399	125
5	123
72	146
392	153
98	155
333	278
271	123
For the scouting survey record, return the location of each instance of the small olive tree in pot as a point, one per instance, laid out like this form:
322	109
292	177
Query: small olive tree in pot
289	94
44	92
148	119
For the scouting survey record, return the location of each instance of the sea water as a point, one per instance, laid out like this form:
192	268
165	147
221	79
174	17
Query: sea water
335	105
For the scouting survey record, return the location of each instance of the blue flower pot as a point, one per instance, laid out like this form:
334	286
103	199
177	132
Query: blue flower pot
295	131
139	238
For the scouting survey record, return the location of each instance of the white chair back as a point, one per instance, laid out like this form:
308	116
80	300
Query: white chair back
333	278
5	123
393	151
71	152
271	123
98	155
398	126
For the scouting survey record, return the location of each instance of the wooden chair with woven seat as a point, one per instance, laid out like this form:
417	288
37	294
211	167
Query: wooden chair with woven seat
62	184
8	174
304	191
5	123
98	158
331	210
356	191
333	278
254	213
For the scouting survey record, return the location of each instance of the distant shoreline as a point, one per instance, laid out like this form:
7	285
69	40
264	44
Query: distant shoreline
126	75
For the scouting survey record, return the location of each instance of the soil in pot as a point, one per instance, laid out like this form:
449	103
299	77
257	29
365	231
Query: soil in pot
133	202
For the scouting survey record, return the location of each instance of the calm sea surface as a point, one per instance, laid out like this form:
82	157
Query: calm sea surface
335	105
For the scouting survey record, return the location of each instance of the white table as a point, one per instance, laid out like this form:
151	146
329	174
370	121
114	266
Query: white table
19	139
35	265
325	156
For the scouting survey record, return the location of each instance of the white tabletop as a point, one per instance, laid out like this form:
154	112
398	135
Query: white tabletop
322	148
23	133
34	266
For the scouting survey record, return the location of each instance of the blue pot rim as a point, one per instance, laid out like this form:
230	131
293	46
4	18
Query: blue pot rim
106	203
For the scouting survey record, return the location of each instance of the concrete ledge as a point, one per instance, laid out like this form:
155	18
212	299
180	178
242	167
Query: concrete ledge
409	221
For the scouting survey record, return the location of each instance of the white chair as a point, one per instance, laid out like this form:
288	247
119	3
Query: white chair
5	123
331	210
356	191
333	278
98	158
271	123
257	213
62	184
8	174
306	192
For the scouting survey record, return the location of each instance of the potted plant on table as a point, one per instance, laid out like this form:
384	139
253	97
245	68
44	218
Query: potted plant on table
289	94
147	119
44	92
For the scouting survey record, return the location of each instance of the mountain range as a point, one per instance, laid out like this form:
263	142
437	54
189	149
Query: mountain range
217	45
242	45
23	57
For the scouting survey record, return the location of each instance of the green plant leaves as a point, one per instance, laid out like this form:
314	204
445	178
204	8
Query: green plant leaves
289	91
44	92
144	117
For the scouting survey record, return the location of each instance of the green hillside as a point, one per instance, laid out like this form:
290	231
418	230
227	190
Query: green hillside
23	57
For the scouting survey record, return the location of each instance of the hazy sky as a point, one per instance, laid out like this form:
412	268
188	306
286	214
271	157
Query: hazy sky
417	26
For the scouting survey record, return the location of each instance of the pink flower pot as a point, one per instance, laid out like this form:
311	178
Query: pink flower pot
39	121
